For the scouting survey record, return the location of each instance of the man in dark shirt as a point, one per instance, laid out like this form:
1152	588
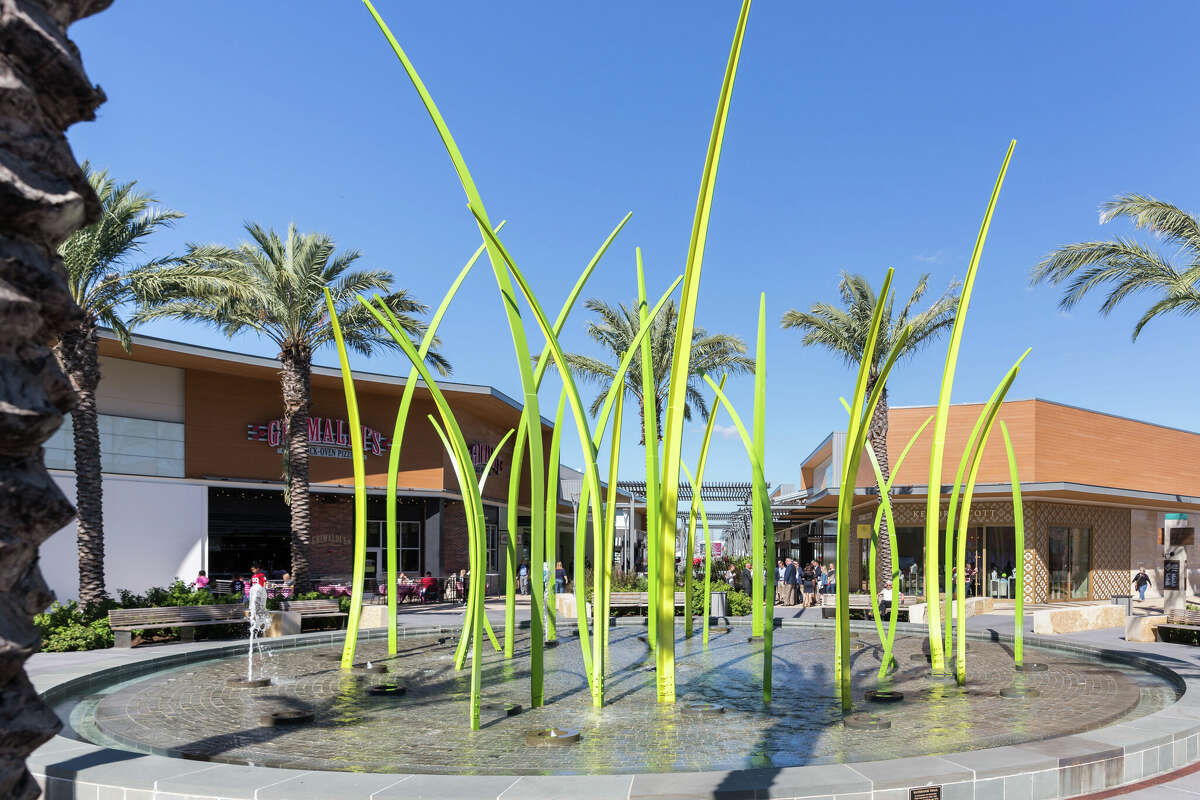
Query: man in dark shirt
789	583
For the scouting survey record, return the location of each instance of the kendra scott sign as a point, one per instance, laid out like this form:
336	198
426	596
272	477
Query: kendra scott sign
327	437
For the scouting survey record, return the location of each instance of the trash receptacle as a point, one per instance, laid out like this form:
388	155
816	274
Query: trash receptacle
1125	600
717	607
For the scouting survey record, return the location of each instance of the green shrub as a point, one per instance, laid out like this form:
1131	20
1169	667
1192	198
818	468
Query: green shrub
68	627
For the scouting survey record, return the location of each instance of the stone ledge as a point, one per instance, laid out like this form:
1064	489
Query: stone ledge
1143	629
975	606
1078	618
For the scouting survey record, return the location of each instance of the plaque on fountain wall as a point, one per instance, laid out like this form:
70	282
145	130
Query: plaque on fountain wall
925	793
1171	573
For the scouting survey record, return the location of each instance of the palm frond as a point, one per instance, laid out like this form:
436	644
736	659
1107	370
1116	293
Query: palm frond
1173	224
844	331
279	292
98	257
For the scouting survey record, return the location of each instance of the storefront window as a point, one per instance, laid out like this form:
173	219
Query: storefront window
247	528
1070	563
408	535
493	547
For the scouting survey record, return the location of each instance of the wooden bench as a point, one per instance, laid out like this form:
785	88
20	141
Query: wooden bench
636	600
124	621
1180	619
311	609
858	602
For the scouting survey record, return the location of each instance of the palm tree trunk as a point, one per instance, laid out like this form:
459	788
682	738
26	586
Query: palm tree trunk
642	421
43	197
877	440
295	378
79	358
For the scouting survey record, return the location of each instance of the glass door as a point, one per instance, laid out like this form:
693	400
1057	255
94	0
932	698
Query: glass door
373	563
1070	563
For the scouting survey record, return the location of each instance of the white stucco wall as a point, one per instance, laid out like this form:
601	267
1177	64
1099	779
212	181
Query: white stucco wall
154	530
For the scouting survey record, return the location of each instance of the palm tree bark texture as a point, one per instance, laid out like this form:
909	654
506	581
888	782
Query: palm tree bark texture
43	197
295	378
77	354
877	431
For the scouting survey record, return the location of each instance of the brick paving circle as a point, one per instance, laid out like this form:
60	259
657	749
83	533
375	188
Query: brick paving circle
190	711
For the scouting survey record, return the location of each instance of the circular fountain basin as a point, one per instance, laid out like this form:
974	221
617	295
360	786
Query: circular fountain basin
189	711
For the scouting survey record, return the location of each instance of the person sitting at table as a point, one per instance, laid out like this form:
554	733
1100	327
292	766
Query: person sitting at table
403	579
428	588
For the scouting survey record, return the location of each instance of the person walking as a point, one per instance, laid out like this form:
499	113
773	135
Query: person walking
202	580
523	578
1140	582
560	578
779	584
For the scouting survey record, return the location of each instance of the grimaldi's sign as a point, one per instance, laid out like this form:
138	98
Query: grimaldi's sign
327	437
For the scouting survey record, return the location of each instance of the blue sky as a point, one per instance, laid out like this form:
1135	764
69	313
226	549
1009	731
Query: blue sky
860	137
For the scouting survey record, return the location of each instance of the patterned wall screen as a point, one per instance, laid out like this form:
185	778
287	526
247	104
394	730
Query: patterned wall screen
1110	537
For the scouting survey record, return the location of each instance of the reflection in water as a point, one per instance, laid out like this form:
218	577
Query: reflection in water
422	731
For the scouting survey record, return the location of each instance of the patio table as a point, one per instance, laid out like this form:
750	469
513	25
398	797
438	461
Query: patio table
404	591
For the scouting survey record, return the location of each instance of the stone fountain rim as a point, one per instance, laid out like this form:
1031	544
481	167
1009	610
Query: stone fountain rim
1166	740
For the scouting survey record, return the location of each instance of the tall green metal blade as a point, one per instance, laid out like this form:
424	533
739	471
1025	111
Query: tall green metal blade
650	434
680	369
697	507
1019	531
360	488
520	346
552	516
933	501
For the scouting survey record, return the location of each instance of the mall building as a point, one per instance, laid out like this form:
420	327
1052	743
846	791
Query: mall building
191	451
1097	491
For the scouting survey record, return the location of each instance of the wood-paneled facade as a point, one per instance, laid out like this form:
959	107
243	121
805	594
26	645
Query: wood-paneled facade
1087	477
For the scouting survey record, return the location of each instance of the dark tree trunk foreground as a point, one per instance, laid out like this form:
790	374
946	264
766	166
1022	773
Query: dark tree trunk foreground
295	379
79	358
43	198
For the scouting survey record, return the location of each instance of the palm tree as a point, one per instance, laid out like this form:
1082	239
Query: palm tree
279	295
1129	267
616	328
844	331
104	283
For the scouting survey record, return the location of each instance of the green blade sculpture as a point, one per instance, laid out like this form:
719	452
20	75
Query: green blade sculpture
941	419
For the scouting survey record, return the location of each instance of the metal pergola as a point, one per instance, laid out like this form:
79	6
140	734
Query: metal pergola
718	492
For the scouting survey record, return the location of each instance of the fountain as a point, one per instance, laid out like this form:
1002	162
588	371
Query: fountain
260	619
